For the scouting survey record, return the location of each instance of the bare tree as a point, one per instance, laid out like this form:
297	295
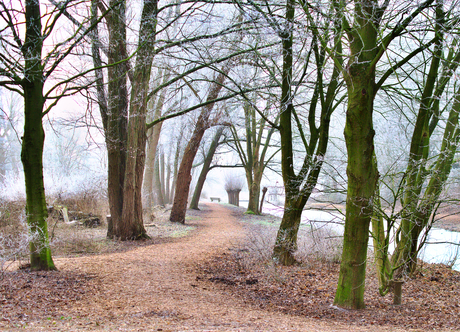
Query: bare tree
418	194
184	176
25	66
366	49
206	167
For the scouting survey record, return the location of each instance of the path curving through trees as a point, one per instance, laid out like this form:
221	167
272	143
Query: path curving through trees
154	288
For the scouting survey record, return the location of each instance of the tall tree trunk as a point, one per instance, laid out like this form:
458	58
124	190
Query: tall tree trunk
362	179
158	190
149	170
97	63
405	255
162	174
381	246
365	53
153	135
117	114
361	167
132	225
177	157
184	176
255	158
414	219
205	169
168	180
298	187
33	140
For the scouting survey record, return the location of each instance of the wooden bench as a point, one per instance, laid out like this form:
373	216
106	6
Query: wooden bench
214	199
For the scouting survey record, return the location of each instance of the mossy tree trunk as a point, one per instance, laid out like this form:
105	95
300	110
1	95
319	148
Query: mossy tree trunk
286	238
381	247
362	179
422	186
361	166
33	140
365	52
418	202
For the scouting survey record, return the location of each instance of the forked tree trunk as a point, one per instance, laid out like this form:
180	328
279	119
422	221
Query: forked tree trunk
253	155
365	53
404	258
417	207
33	140
132	226
286	238
299	185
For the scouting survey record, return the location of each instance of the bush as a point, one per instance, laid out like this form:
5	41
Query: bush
320	244
11	213
14	238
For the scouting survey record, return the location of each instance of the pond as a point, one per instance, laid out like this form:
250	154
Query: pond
442	246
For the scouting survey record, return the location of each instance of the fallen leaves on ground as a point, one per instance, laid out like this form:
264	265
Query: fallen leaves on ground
430	299
26	296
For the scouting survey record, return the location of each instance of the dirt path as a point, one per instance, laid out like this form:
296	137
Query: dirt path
154	288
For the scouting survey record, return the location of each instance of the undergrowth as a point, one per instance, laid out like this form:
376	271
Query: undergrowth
314	244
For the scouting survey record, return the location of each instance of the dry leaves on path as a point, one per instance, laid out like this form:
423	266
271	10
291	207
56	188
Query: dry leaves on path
161	286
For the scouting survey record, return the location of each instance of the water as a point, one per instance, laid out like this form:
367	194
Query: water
442	246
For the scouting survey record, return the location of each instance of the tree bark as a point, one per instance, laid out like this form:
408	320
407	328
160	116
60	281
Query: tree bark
168	180
33	140
184	176
254	194
286	238
361	167
132	226
158	190
205	169
298	187
117	115
154	137
264	191
416	211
